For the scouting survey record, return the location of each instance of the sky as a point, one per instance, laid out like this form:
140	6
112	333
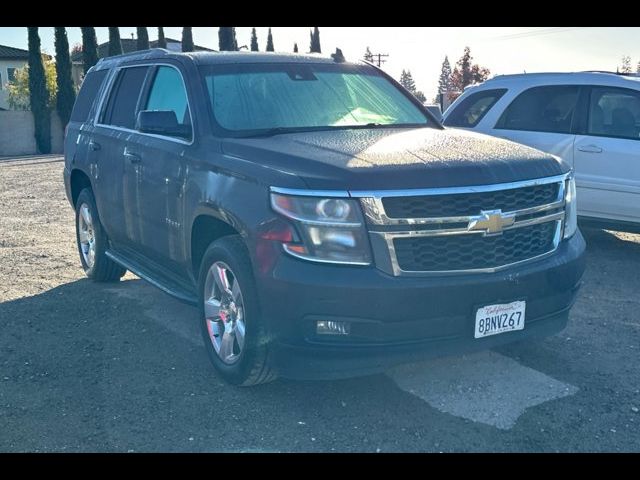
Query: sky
421	50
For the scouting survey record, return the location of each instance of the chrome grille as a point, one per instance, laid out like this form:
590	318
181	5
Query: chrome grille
466	229
472	203
471	252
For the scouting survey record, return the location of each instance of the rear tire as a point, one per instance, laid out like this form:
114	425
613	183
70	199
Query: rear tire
233	331
92	241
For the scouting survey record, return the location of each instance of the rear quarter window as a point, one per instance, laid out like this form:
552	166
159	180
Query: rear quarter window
469	112
87	95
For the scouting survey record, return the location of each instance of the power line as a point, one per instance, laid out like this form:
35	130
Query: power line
535	33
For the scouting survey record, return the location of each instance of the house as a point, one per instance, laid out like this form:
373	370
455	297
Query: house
10	60
128	45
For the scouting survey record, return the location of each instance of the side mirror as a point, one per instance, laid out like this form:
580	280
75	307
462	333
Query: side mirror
161	122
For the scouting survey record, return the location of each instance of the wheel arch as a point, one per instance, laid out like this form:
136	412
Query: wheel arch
208	225
78	181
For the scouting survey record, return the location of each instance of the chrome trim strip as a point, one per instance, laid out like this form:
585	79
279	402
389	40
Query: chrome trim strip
375	213
452	190
311	193
465	231
397	271
107	92
317	260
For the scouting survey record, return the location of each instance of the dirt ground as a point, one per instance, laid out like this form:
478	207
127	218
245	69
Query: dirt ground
85	367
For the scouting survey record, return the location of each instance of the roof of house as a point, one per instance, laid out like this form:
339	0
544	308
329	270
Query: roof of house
13	53
130	45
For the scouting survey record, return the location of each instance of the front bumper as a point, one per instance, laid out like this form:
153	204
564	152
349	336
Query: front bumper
399	319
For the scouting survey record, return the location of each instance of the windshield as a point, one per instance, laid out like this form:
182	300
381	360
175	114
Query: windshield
255	98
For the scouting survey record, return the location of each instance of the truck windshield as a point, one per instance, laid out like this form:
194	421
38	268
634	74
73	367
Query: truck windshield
255	99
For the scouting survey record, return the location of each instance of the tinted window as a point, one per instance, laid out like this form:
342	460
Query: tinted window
11	74
123	100
88	93
470	110
614	112
541	109
168	93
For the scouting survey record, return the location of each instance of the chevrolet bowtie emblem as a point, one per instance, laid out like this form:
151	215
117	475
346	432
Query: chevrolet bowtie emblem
492	222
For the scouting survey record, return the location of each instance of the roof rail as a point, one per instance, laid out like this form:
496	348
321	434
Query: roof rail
622	74
161	51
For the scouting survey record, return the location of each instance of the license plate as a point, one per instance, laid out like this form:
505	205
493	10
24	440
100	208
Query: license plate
494	319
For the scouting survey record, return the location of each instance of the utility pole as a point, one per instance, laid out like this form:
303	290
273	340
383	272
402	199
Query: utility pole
378	58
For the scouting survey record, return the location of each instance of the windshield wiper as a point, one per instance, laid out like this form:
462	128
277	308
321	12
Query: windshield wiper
269	132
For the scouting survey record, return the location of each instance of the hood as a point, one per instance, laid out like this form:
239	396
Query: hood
381	159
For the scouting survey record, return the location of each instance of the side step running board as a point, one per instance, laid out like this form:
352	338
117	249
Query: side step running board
165	284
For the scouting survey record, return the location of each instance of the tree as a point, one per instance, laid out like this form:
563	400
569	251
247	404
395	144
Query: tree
466	73
115	45
143	38
227	39
254	40
38	95
314	46
89	48
368	56
406	80
65	94
295	48
626	64
162	42
18	88
187	39
444	82
420	96
270	42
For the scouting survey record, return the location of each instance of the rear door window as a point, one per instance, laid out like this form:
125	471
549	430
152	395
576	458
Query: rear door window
87	95
122	105
542	109
614	112
469	112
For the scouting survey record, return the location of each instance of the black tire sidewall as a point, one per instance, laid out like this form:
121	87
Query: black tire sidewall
231	250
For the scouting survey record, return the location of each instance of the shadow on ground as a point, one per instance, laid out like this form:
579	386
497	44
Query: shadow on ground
118	367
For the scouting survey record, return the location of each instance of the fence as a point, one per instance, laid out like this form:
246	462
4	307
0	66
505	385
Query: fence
17	133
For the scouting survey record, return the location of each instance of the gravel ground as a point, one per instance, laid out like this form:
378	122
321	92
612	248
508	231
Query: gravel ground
88	367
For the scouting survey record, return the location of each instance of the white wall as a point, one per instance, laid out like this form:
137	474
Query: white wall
4	78
17	133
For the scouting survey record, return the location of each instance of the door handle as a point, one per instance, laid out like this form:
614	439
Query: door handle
94	146
590	149
132	157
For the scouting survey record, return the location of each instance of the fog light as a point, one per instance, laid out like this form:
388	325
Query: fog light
333	328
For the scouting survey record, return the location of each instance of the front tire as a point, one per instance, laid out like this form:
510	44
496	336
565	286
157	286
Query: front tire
93	241
232	328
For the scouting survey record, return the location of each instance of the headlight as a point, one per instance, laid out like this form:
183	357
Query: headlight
331	229
570	211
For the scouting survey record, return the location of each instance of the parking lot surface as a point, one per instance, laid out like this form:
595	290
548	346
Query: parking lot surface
121	367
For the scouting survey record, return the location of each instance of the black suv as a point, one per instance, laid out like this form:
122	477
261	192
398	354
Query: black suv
324	222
